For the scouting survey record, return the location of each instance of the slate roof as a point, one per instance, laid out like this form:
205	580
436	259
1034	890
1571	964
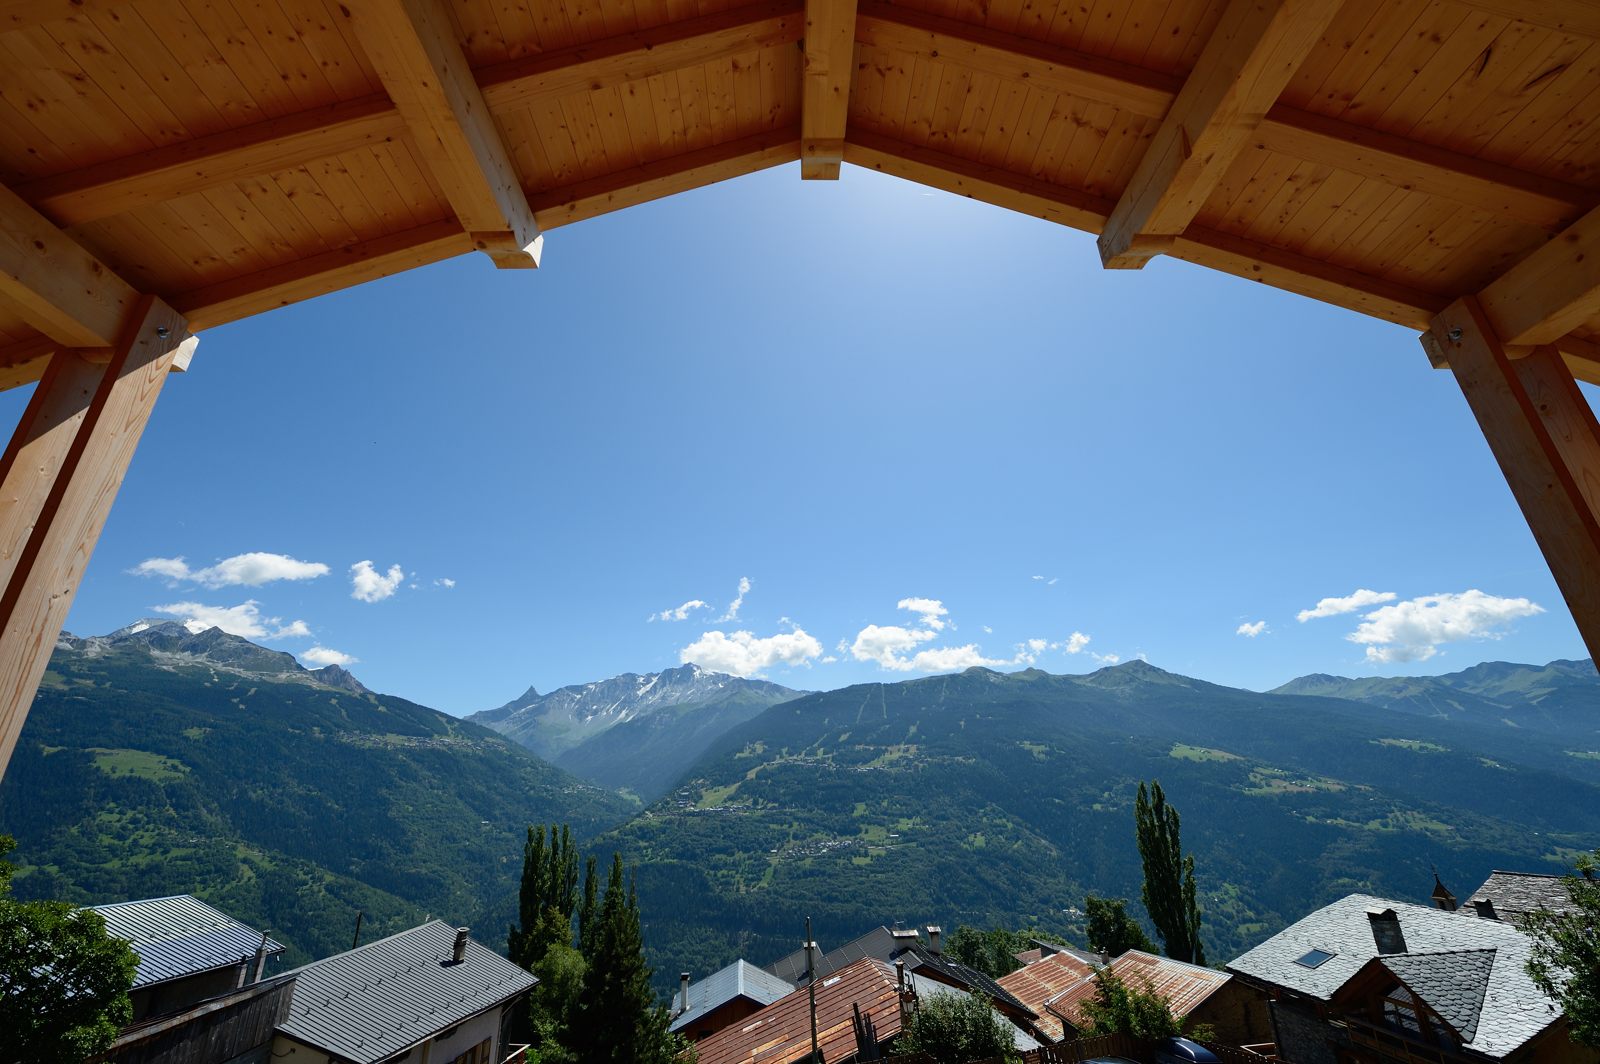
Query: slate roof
372	1002
1513	1009
1452	984
1515	894
1184	986
180	936
739	979
1042	980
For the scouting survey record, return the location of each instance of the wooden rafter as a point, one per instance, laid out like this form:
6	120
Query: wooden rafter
830	43
1252	54
412	45
1498	190
1552	291
1544	436
54	283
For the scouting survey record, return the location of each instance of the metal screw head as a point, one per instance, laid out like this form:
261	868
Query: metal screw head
162	331
1454	334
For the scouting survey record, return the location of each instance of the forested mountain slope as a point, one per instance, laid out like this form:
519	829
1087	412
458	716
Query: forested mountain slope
156	761
985	798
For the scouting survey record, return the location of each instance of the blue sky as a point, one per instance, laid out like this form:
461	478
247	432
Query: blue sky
850	396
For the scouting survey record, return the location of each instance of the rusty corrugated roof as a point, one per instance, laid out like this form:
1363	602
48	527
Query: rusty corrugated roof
1184	986
781	1032
1042	980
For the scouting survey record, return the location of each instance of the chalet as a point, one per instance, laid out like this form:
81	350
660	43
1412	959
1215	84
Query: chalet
906	946
1037	983
429	995
1199	996
1512	895
236	1027
1372	981
188	951
705	1007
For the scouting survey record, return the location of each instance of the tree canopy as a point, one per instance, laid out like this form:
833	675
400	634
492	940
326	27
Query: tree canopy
955	1028
64	980
1111	930
1566	952
1168	892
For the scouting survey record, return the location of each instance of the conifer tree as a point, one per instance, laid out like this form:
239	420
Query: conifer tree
623	1021
1168	892
589	914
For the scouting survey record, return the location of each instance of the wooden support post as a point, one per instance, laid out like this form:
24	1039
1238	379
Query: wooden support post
830	48
1545	437
57	480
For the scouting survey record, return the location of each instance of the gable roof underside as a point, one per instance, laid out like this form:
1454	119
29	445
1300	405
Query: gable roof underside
234	157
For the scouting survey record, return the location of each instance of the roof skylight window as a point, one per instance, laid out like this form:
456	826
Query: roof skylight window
1314	958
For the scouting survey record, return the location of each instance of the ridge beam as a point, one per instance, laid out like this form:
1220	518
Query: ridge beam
1252	54
830	45
1544	436
58	478
413	47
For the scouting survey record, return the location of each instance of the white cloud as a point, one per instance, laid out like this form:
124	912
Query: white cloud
1105	659
1075	643
251	569
949	659
931	611
445	582
320	656
1414	629
885	644
1251	629
746	654
681	613
987	630
243	620
738	601
1332	607
369	585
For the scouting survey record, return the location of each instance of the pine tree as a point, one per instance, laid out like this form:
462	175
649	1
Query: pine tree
1168	892
624	1023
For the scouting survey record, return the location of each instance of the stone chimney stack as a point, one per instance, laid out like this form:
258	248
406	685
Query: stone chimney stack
1386	932
1485	908
459	954
683	993
934	931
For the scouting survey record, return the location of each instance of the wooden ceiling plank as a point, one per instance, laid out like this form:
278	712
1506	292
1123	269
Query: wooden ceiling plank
412	45
1581	18
829	71
1552	291
54	283
1251	56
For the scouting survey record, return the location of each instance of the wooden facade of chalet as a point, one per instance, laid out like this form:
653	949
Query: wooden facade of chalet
170	165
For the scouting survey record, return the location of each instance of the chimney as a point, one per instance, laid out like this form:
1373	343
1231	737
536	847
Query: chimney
683	993
1442	896
1386	932
934	931
459	954
901	992
1485	908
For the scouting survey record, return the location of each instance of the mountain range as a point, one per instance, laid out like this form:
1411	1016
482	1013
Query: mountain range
633	733
157	760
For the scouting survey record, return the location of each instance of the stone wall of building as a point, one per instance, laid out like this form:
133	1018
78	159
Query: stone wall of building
1303	1036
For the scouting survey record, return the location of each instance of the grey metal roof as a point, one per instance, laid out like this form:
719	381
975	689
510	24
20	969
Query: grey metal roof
739	979
180	936
1514	894
1514	1010
372	1002
1451	984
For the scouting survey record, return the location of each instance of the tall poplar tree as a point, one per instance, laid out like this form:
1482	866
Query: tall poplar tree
1168	891
623	1021
548	897
589	913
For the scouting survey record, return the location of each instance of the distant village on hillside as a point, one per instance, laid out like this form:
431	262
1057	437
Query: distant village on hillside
1364	980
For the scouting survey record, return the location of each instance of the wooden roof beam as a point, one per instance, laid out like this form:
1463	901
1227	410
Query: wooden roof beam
413	47
126	184
830	44
1275	267
1550	292
1498	190
1252	54
54	283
